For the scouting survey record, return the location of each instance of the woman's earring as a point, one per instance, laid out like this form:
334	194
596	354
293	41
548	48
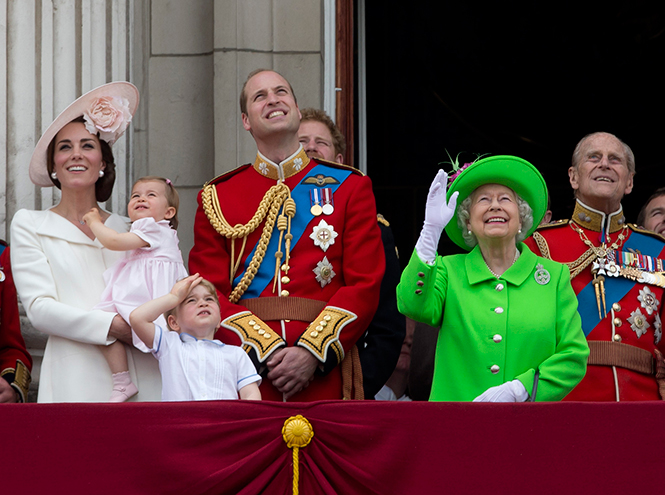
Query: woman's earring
101	173
54	176
519	231
468	232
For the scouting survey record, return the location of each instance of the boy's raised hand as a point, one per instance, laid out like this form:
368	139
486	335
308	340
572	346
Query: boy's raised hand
184	286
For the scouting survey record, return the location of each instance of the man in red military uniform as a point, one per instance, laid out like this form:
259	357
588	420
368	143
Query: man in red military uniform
15	362
616	270
292	245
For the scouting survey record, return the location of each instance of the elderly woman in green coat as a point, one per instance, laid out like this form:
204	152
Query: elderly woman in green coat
510	330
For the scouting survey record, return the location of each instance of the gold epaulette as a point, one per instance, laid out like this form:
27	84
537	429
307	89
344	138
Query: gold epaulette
226	175
323	333
636	228
254	333
555	223
338	165
540	240
382	220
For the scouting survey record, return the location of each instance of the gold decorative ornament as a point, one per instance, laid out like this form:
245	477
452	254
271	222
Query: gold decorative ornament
596	255
297	433
278	196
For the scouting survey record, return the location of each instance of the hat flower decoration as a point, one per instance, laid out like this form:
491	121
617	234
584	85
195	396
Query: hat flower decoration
108	115
457	169
107	110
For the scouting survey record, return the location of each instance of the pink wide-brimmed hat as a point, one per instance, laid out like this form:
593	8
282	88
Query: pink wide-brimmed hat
107	111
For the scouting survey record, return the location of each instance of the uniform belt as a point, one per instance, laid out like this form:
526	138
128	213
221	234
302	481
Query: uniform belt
284	308
622	355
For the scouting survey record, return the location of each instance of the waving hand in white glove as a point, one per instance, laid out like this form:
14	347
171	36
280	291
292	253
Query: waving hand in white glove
512	391
438	213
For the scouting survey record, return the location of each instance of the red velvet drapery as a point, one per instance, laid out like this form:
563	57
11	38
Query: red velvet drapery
369	447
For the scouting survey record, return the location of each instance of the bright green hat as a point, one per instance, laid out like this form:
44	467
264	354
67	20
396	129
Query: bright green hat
509	171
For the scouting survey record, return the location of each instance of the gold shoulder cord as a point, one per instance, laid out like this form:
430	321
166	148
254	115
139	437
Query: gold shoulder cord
278	196
576	267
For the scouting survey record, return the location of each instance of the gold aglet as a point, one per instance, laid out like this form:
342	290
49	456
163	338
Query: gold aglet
596	289
601	281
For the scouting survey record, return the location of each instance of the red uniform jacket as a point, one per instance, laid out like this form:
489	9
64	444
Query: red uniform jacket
15	361
339	286
634	310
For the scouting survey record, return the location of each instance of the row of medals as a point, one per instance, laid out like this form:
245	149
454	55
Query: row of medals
612	269
318	196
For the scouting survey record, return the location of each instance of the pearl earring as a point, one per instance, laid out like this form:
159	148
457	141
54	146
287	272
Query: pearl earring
468	232
54	176
101	173
519	231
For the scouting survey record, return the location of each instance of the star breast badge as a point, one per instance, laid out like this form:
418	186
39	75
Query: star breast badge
323	235
324	272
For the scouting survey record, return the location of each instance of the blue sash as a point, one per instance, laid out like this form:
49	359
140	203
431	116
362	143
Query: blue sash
301	195
615	288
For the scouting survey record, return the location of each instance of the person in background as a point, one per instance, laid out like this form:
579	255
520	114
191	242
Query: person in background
614	270
547	217
652	214
509	326
380	346
397	386
292	246
58	263
15	361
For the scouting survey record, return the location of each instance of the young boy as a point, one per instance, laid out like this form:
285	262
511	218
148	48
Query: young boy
192	364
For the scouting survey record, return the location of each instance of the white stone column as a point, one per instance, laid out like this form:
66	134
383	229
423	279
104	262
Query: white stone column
20	107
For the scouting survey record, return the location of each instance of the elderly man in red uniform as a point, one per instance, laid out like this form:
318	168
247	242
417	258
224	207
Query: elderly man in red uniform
292	245
617	273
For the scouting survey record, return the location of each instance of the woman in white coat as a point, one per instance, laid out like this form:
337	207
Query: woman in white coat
58	264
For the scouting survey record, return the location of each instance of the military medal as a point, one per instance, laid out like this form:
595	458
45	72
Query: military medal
638	322
324	272
316	208
542	276
323	235
658	330
648	300
328	207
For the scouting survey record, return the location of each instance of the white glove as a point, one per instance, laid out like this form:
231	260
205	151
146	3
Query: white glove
437	215
508	392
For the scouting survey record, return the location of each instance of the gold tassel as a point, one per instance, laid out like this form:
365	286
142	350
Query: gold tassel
297	433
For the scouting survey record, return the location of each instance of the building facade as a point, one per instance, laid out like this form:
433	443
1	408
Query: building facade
189	61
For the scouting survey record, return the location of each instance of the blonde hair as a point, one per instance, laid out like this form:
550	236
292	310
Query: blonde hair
172	197
204	283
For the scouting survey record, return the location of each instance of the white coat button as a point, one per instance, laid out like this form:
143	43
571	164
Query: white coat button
495	368
497	338
499	287
498	310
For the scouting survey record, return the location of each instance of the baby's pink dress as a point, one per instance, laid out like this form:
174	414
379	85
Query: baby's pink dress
145	274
